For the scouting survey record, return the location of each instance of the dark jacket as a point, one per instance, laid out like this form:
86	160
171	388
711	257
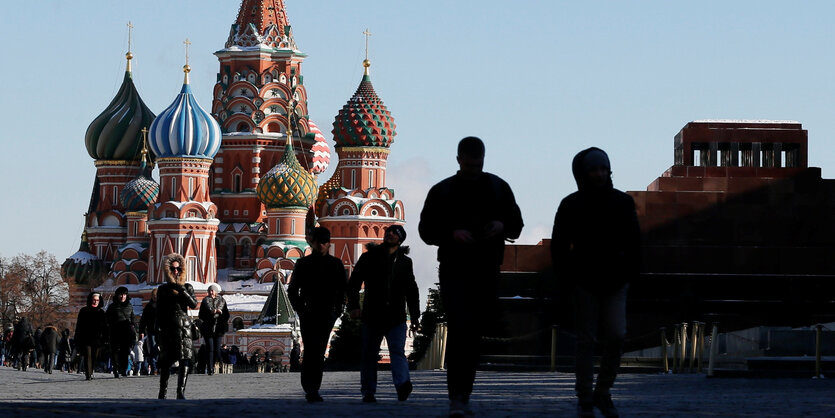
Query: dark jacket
120	322
91	327
389	286
174	299
469	204
65	347
148	320
595	243
214	324
317	287
49	340
23	338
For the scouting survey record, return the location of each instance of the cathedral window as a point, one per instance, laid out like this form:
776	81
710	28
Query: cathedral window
353	179
115	195
236	183
370	179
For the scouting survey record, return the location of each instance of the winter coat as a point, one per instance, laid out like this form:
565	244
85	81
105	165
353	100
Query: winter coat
49	340
137	352
317	287
214	324
595	243
120	322
389	287
23	338
174	299
469	204
148	321
65	347
91	326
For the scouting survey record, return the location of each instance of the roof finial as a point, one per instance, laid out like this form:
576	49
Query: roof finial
186	68
144	163
129	54
366	63
291	105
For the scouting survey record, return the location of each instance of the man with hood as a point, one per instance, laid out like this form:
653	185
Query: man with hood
122	333
595	249
90	331
468	216
386	271
317	294
214	317
49	344
174	298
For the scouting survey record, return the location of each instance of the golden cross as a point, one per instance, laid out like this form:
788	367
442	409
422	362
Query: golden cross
130	27
367	35
187	43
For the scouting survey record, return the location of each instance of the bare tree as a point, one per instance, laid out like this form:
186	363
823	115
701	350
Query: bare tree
32	286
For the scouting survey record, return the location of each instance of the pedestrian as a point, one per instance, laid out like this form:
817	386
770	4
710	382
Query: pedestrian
214	317
122	332
64	351
468	216
595	250
138	356
234	354
49	345
385	272
37	355
148	330
23	342
317	294
90	332
174	298
295	356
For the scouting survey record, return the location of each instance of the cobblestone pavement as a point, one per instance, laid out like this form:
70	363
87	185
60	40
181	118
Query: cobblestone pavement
497	394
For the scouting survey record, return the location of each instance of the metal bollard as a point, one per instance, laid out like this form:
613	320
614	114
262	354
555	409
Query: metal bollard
554	331
701	345
818	335
663	346
694	334
443	348
713	347
683	346
676	347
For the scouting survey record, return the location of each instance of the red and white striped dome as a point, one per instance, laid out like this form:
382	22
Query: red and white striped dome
321	150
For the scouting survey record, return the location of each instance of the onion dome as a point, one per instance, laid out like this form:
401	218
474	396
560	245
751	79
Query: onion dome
184	129
364	121
287	184
115	133
142	191
327	190
321	150
83	267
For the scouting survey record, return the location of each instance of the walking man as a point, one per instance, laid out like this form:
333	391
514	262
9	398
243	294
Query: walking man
317	293
386	271
595	248
468	216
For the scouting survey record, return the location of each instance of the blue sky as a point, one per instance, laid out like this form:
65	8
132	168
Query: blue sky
537	80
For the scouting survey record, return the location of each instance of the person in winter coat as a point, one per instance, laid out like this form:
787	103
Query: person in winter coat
147	330
215	322
389	282
23	342
49	344
37	355
137	355
468	216
122	332
90	331
317	293
64	351
174	298
595	248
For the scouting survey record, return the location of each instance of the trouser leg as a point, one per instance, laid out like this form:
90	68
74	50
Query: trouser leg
396	341
613	331
315	342
371	339
586	308
182	379
164	374
89	361
210	354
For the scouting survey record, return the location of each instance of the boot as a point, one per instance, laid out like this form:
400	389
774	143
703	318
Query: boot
164	374
182	379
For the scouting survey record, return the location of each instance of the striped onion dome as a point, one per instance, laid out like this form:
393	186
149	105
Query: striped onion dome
364	121
287	184
184	129
140	192
321	150
116	133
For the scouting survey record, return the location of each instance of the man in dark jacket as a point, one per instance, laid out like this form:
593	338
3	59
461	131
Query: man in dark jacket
90	332
468	216
49	344
214	317
147	328
595	248
317	293
390	285
122	333
23	342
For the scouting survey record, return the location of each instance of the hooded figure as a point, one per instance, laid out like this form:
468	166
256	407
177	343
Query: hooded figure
595	250
49	344
90	331
174	298
122	332
23	342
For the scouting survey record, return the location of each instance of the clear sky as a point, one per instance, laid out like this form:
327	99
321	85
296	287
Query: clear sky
537	80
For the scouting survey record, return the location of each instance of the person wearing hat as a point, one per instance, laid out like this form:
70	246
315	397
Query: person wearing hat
122	332
90	332
317	294
385	272
214	317
595	250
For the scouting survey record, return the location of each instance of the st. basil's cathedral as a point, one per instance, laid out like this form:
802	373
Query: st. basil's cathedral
237	185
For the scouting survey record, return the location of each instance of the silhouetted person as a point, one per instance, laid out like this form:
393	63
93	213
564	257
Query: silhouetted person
215	322
49	344
317	293
174	298
122	333
147	328
386	271
90	332
595	247
468	216
23	342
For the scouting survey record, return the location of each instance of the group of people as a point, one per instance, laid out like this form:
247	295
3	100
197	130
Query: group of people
21	347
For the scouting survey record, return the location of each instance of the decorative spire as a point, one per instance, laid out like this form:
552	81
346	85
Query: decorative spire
186	68
261	23
366	63
143	165
129	55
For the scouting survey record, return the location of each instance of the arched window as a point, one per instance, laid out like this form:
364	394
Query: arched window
353	179
243	127
236	183
370	179
237	323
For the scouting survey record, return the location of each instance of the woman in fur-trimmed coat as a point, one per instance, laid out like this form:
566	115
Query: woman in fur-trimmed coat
174	299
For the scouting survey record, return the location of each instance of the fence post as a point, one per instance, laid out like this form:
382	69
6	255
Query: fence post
663	346
818	336
554	330
714	333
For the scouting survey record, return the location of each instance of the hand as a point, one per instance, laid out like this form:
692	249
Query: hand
414	329
355	313
493	229
463	236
